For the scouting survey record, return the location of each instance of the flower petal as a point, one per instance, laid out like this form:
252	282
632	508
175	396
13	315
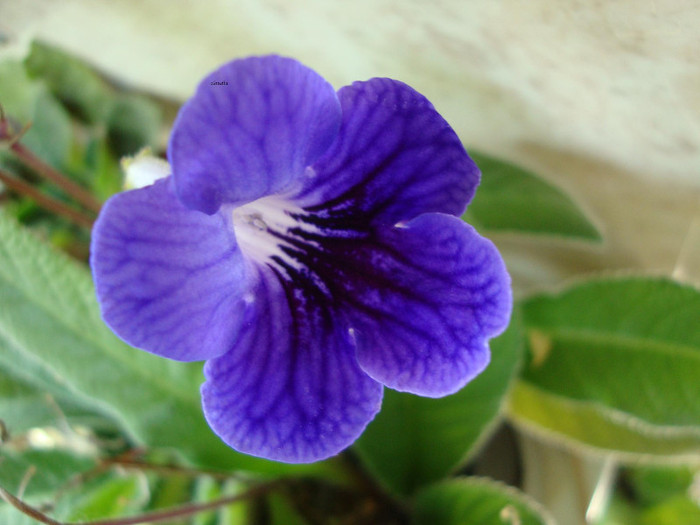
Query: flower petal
421	300
169	279
250	130
291	389
395	157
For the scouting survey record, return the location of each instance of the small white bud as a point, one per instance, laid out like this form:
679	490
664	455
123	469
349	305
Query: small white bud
143	169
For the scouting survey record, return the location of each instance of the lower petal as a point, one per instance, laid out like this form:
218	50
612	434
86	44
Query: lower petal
447	292
169	280
291	389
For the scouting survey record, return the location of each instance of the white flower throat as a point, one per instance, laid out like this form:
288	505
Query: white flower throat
263	227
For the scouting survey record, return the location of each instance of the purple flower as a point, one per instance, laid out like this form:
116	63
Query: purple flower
308	246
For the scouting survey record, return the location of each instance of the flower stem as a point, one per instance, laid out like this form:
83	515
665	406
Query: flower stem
181	511
48	203
4	433
27	509
12	138
76	191
165	469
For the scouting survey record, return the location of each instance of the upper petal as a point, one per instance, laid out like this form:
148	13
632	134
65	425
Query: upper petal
395	157
250	130
169	280
290	389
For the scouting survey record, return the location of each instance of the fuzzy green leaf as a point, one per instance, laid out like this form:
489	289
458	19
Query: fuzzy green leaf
52	469
27	101
512	199
615	365
414	441
72	81
477	500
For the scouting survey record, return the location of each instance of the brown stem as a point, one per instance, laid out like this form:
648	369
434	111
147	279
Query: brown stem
181	511
76	191
166	469
98	469
49	203
43	169
27	509
4	434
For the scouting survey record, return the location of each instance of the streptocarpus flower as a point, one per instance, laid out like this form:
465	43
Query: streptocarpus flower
308	246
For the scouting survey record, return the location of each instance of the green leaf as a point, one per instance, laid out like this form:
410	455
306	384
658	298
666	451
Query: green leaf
51	133
23	406
236	513
52	469
115	495
620	512
477	500
133	123
653	485
282	513
48	312
27	101
18	93
11	516
414	441
615	365
206	489
103	169
30	396
169	491
588	424
680	510
512	199
72	81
